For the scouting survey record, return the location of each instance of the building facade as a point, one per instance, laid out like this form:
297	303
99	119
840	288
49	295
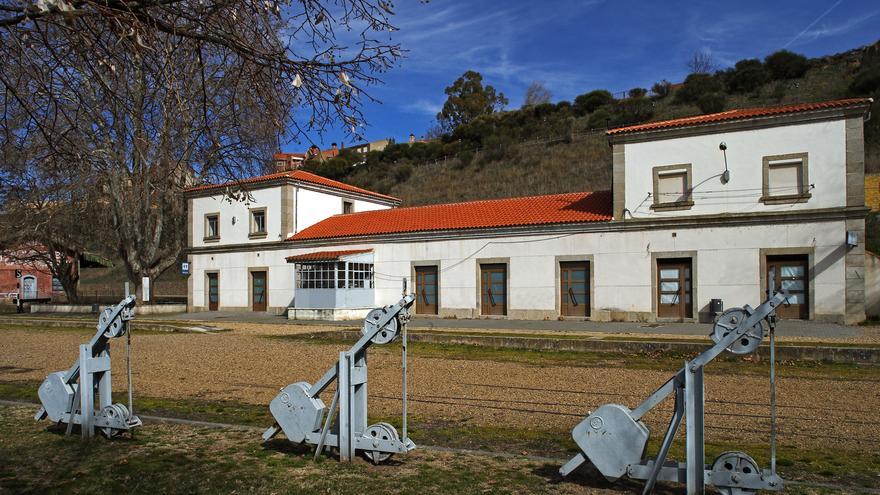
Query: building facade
721	207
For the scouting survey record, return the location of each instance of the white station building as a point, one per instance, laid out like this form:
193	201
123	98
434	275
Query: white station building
724	207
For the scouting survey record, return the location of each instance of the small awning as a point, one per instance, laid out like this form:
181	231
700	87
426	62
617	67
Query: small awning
325	255
91	260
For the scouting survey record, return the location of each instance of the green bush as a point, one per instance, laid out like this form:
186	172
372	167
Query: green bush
779	91
747	76
634	110
598	119
563	106
661	89
866	82
637	93
590	102
712	102
697	85
786	65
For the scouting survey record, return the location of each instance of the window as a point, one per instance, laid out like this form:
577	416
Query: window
56	285
360	275
672	187
347	207
315	275
334	275
258	222
785	179
212	226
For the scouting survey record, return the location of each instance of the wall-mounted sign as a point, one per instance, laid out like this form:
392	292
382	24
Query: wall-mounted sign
145	289
17	273
184	268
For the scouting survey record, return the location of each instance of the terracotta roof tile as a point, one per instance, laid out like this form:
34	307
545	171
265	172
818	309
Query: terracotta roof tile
566	208
737	114
326	255
296	175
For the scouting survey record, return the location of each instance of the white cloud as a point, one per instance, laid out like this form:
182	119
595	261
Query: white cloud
423	106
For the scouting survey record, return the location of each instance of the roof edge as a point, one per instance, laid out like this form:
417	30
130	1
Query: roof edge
736	117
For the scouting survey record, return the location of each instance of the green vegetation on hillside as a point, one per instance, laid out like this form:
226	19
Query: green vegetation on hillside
561	147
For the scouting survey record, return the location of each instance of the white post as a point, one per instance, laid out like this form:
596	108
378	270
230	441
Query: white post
342	384
86	392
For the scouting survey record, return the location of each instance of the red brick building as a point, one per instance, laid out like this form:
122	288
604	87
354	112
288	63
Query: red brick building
34	283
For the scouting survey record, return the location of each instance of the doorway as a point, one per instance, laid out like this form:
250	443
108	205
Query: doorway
213	292
790	272
28	287
426	290
258	291
493	289
574	288
674	289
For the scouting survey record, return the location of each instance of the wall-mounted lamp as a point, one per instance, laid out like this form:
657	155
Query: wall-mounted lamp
852	238
725	177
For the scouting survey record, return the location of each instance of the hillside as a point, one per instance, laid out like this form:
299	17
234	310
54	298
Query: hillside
558	147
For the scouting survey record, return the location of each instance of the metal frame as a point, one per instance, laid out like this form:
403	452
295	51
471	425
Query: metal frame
69	397
299	411
615	446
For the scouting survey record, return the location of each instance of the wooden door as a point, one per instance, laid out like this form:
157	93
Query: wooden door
426	290
493	289
213	292
258	286
674	289
574	286
791	273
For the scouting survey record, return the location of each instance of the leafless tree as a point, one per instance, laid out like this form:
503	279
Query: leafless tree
137	99
701	62
536	94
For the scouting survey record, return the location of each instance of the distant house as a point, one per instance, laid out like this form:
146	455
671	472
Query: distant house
288	161
728	206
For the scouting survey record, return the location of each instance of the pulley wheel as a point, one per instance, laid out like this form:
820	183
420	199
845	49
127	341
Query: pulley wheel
387	333
115	328
380	431
735	463
118	412
728	322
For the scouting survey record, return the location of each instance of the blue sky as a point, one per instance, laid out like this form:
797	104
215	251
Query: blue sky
577	46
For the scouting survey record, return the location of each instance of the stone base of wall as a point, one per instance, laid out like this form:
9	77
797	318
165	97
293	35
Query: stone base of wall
327	314
150	309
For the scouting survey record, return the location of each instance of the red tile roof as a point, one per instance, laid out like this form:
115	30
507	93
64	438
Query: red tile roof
326	255
296	175
737	114
533	210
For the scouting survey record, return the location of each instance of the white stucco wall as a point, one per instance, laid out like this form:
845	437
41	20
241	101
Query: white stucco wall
237	233
824	142
314	206
234	278
728	266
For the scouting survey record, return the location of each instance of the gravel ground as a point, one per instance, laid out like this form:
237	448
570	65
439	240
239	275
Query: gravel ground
243	365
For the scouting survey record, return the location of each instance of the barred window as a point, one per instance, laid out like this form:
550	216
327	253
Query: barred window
360	275
334	275
315	276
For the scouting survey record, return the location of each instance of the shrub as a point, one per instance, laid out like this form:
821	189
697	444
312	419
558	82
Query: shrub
661	89
634	110
637	93
866	82
712	102
786	65
563	105
779	91
697	85
590	102
747	76
598	119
